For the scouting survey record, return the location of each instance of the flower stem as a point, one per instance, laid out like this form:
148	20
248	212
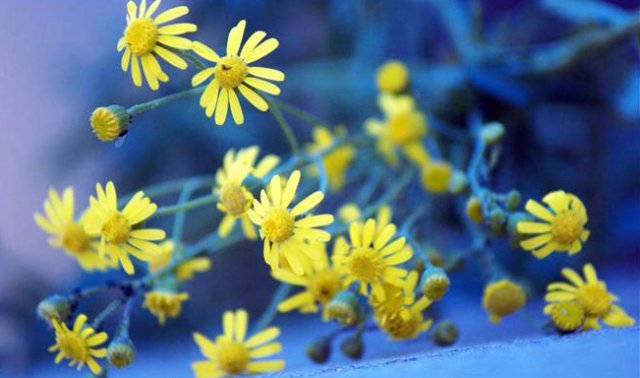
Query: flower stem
104	314
149	105
186	206
178	221
300	114
186	54
284	125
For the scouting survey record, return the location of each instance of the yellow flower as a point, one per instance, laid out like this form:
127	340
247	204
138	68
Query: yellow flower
473	209
337	161
406	323
164	304
502	298
234	199
567	316
436	176
282	232
119	236
110	122
349	212
232	72
396	297
560	229
80	344
371	259
393	77
231	354
592	295
183	272
68	234
145	39
321	282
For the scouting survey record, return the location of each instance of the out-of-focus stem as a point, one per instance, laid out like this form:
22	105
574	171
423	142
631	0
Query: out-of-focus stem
284	125
139	108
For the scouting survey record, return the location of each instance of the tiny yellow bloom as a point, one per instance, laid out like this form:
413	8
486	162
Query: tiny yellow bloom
592	295
321	282
232	72
561	227
473	209
164	304
502	298
234	354
349	212
234	199
81	344
110	122
392	77
371	258
119	236
146	38
68	234
336	162
282	229
436	176
403	128
406	323
183	272
396	297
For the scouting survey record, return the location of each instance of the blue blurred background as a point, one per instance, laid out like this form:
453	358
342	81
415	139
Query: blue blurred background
575	129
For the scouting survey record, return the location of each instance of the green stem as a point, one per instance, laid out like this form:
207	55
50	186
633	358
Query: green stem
169	187
104	314
186	54
284	125
140	108
186	206
178	222
300	114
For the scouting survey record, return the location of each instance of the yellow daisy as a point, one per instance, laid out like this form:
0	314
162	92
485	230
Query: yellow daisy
407	322
372	258
283	229
164	304
146	38
68	234
232	354
234	199
119	236
321	283
81	344
336	162
232	72
403	128
561	226
592	295
186	270
396	297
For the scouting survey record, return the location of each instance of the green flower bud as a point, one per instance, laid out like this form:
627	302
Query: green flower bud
458	183
344	308
320	350
54	306
445	333
492	133
497	220
512	224
352	346
121	352
513	200
110	122
434	283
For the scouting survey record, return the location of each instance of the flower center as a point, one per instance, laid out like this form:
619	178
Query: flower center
74	239
505	300
235	199
73	347
365	264
233	357
279	225
116	230
325	285
595	299
401	326
141	36
567	316
566	227
231	71
406	127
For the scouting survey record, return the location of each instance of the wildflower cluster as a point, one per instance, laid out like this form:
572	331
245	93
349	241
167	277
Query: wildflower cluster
363	260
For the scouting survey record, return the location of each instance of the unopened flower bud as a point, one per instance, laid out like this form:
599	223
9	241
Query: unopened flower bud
512	224
344	308
320	350
110	122
513	200
445	333
352	346
458	183
435	283
473	209
492	133
121	352
497	221
54	307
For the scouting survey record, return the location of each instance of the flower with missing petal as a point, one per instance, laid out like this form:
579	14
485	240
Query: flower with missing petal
146	38
233	354
119	231
283	228
592	295
81	344
559	228
234	72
